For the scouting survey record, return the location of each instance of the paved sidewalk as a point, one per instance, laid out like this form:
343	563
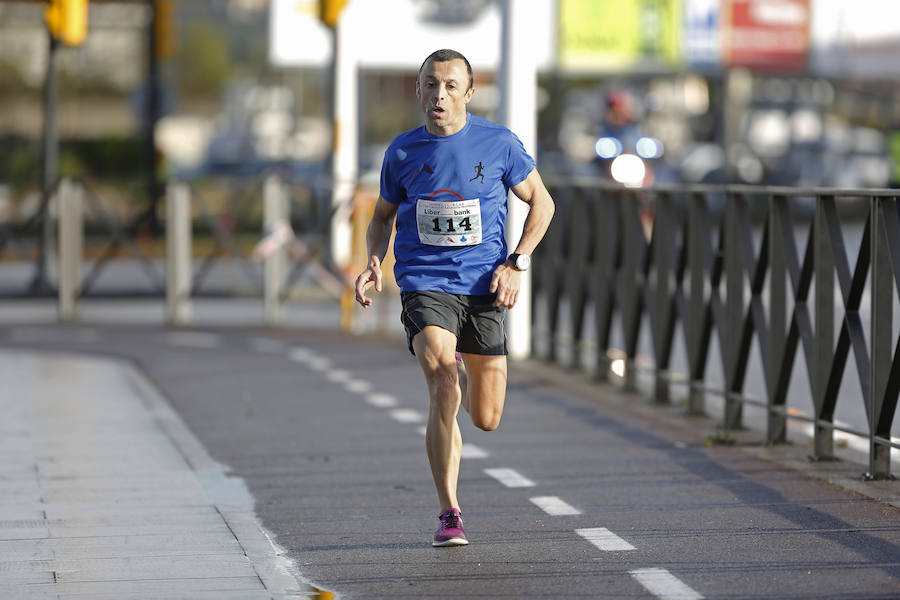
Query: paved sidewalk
104	493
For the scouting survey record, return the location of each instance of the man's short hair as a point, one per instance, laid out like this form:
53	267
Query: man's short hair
446	55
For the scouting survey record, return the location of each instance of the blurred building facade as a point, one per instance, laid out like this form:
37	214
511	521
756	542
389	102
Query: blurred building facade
790	92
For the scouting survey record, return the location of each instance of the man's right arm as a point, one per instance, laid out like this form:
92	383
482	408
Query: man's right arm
378	236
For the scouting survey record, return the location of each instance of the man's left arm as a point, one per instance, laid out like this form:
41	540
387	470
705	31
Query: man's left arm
507	280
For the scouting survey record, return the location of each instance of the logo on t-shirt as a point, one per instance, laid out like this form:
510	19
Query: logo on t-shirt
479	172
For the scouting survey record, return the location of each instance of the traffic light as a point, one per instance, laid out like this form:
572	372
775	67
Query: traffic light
330	10
67	20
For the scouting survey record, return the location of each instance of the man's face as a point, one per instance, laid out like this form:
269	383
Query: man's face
443	90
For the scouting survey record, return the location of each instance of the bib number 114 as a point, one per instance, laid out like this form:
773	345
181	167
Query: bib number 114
447	225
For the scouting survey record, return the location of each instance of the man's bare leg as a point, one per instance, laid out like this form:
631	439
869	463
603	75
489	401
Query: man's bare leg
435	349
463	381
485	389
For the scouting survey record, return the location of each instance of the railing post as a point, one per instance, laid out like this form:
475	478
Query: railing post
823	437
69	201
698	230
776	425
607	246
632	284
662	250
178	254
880	364
275	221
734	310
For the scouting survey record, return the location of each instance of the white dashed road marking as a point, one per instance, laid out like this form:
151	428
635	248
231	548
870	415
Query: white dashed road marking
381	400
300	354
337	375
407	415
554	506
318	363
604	539
358	386
473	451
267	345
664	585
510	478
194	339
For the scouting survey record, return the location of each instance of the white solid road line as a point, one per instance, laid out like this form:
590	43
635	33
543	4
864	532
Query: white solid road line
407	415
664	585
510	478
604	539
554	505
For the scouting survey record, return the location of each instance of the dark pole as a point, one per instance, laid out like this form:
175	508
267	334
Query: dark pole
49	167
150	119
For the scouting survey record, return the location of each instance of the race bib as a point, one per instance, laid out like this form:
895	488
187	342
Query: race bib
449	223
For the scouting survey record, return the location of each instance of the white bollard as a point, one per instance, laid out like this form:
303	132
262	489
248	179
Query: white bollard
70	207
276	223
178	254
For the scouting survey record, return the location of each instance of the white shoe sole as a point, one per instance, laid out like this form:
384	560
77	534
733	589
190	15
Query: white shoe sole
451	542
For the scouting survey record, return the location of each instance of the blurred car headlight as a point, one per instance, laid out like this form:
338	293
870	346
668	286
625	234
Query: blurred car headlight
628	170
608	147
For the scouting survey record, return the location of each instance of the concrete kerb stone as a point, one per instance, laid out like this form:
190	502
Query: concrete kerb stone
228	494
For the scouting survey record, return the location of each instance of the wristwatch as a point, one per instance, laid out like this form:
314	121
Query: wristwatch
520	262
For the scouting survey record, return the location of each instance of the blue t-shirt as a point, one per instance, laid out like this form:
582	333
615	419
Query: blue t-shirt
451	194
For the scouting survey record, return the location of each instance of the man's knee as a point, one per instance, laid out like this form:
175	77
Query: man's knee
486	420
442	377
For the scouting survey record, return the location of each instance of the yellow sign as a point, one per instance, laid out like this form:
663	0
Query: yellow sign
603	35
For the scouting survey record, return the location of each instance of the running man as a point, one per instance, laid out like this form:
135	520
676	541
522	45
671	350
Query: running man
452	266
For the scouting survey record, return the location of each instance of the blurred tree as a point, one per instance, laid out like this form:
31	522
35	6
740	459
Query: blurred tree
202	62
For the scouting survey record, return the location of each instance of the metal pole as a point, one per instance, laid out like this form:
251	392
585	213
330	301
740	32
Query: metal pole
71	240
518	85
178	254
150	118
49	168
346	126
275	220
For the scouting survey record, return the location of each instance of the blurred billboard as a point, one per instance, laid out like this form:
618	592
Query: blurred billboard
768	35
399	34
611	35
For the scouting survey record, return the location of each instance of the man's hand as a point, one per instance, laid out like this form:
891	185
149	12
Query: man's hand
372	275
505	283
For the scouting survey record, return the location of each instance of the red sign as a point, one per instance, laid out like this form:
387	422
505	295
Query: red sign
768	35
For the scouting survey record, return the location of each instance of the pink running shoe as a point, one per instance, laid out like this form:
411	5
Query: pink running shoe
450	533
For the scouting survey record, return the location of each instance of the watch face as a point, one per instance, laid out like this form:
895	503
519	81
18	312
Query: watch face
523	261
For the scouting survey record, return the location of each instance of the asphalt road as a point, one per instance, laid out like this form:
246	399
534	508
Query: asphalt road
325	430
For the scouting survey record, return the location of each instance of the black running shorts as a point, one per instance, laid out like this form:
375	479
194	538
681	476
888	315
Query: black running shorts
476	322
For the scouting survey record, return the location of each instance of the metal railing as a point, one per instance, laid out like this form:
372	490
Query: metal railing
112	256
722	267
